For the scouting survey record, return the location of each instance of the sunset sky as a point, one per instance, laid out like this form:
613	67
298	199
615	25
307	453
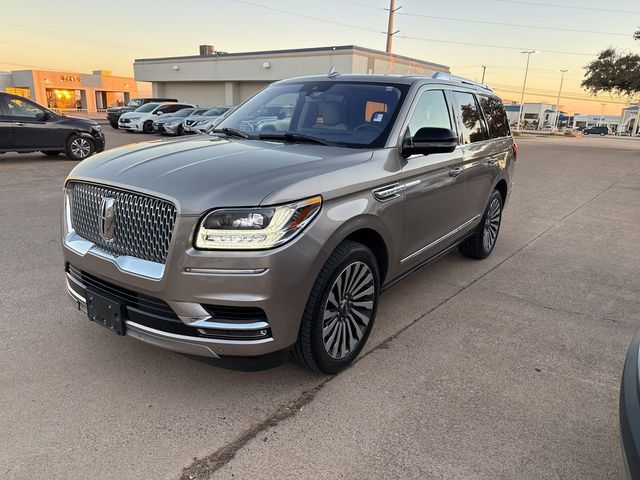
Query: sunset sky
83	36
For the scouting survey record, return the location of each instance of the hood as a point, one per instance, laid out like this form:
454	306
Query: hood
80	120
167	118
134	114
205	172
120	109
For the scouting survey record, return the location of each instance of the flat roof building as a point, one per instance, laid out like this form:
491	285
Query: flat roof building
70	91
221	78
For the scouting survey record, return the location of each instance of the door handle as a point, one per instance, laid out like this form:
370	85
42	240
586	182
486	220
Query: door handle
455	171
19	124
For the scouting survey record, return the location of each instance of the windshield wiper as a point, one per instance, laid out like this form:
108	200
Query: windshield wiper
230	132
294	137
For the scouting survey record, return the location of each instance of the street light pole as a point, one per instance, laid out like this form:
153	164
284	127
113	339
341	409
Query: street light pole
602	114
558	100
484	70
524	86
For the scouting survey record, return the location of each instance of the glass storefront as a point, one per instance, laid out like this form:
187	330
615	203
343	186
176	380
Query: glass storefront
64	99
23	92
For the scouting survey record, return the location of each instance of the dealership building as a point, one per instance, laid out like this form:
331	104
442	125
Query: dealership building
70	90
221	78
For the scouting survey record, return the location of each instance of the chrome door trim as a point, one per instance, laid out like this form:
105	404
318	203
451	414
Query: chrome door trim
393	190
444	237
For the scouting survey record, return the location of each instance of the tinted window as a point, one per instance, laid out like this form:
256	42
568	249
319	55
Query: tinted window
469	117
431	111
352	114
147	107
496	118
21	108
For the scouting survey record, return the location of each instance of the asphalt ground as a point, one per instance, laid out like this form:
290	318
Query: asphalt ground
497	369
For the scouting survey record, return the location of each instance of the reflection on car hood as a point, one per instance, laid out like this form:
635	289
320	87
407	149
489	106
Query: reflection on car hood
206	172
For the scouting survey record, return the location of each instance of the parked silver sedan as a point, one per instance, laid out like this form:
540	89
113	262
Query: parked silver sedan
173	123
202	122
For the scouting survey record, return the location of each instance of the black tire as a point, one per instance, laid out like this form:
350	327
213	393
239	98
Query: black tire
52	153
78	147
147	127
477	246
114	125
310	350
585	133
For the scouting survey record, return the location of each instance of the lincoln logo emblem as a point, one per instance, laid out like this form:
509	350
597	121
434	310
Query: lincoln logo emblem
107	219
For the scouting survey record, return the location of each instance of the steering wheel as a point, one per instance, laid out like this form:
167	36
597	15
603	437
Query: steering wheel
368	126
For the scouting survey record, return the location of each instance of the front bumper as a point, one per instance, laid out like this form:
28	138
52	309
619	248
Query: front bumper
134	126
630	411
199	288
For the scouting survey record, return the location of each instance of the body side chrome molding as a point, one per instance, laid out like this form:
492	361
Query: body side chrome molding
441	239
393	190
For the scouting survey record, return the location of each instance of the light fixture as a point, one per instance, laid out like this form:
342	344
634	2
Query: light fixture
176	67
266	65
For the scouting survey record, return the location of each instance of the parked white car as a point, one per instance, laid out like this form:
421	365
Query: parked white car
203	123
141	119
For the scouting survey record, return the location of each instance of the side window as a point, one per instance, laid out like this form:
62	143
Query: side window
21	108
431	111
494	113
469	117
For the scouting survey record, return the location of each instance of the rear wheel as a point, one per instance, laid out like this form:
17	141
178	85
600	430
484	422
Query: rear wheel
52	153
481	244
340	311
79	148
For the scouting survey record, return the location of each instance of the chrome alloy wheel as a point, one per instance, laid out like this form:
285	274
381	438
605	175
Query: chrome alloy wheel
492	224
80	147
348	310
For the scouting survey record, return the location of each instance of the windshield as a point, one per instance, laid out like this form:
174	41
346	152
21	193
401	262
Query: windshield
147	107
135	102
185	112
215	112
342	113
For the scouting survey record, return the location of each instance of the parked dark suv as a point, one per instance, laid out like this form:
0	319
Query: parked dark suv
602	130
279	232
27	127
113	113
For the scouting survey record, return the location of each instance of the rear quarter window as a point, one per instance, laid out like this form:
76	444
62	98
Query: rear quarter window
496	117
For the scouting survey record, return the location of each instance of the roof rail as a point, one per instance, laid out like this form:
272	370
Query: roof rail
454	78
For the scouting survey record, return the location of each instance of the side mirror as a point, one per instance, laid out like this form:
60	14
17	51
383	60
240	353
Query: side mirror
41	116
158	113
430	140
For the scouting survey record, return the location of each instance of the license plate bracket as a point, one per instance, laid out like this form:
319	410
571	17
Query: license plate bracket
105	311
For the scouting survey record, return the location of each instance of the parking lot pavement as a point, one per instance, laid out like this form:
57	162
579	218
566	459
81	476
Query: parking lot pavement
504	368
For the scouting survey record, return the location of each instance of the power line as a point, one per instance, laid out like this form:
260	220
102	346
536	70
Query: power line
571	7
302	15
516	25
486	45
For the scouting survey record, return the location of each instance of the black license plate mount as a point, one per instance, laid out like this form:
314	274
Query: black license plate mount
105	311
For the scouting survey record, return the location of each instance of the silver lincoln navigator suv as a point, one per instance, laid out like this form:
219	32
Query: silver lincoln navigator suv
278	232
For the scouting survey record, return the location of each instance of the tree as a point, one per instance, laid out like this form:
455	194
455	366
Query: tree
614	72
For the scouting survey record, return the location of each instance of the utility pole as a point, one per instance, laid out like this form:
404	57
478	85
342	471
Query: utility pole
558	100
602	115
390	32
484	70
524	85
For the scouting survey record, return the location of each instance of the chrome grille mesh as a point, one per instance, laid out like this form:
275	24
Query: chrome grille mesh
143	225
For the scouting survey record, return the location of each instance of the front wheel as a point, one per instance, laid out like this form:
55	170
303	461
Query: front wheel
79	148
480	245
147	127
113	124
340	310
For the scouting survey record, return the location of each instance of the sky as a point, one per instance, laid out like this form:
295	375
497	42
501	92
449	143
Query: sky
81	36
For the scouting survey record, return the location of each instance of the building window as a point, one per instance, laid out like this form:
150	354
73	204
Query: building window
21	91
530	116
64	99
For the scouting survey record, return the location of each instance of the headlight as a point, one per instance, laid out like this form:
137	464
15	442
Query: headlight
255	228
133	118
97	128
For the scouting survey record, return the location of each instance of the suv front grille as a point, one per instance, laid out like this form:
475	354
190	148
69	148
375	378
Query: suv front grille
143	224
